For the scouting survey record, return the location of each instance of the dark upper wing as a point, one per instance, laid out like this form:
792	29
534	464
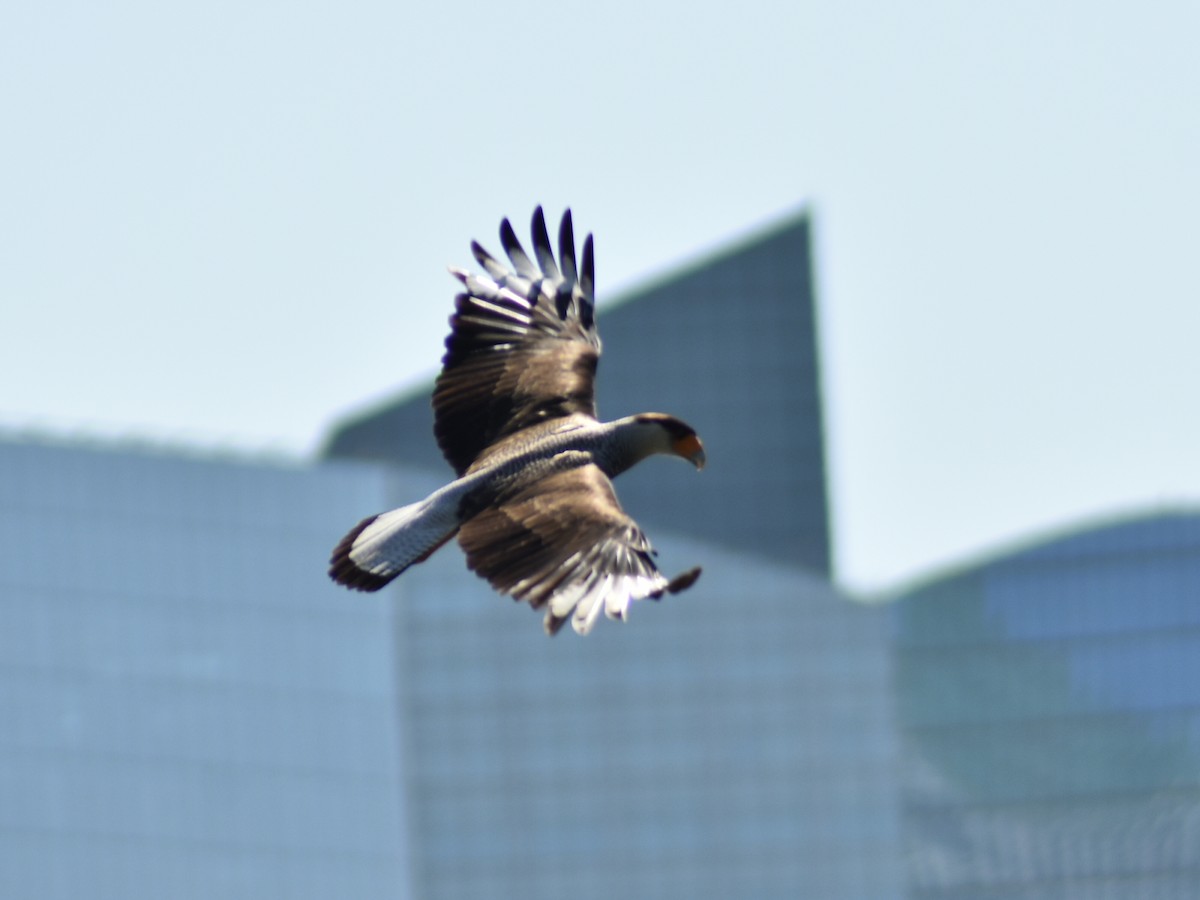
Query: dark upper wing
523	346
566	544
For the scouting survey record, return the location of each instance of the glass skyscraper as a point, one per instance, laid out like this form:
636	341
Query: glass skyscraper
189	709
192	709
732	741
1049	710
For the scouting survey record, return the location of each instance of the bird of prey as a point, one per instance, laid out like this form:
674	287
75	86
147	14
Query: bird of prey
533	505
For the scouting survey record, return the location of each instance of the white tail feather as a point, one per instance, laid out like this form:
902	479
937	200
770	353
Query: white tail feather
381	547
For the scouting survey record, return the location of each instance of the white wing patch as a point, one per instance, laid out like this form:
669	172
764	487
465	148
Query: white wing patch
612	593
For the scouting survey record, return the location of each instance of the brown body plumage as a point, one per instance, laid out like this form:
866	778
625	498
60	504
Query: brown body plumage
533	507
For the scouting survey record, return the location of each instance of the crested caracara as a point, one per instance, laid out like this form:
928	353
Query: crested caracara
514	407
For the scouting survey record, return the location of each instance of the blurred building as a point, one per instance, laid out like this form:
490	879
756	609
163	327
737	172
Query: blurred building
734	741
1049	710
188	710
193	710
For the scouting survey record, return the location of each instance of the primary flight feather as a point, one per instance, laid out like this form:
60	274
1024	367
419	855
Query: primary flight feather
533	505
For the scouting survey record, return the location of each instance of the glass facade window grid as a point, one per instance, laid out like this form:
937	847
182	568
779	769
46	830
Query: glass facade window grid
1049	704
192	711
734	735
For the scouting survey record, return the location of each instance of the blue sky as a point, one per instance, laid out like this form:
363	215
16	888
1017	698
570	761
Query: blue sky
228	223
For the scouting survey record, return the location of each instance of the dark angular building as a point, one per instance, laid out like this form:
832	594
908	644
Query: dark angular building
728	344
193	709
734	741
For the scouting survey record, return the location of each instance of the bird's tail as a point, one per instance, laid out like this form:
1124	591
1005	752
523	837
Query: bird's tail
380	547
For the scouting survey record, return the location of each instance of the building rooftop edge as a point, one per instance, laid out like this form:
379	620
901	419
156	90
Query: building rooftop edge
145	443
1043	537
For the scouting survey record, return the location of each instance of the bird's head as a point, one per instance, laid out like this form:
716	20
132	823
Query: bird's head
674	437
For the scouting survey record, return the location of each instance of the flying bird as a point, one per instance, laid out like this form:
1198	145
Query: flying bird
533	505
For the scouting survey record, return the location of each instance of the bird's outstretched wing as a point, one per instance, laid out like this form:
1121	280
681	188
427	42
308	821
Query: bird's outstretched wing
565	543
523	346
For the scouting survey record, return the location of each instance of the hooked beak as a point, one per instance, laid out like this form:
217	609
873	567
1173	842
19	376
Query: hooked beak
692	450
